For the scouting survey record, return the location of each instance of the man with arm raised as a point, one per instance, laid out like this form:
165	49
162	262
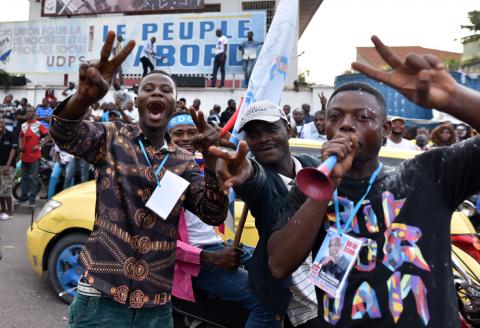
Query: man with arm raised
402	275
129	257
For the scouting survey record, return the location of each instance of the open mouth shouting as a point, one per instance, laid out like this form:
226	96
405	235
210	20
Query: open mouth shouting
156	111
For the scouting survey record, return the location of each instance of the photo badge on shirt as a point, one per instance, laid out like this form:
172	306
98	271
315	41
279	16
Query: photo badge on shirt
334	261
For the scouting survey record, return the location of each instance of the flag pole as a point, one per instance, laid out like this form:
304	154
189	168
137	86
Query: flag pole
268	77
241	225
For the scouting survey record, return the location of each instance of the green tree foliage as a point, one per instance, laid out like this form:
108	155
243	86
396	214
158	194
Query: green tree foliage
451	64
474	17
302	78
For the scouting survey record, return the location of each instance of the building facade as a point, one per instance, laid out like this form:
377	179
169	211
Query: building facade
35	90
307	9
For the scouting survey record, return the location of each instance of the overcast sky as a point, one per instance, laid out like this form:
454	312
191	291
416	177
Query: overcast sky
341	25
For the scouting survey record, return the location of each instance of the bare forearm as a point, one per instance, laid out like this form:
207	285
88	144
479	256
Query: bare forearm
290	246
11	157
464	104
125	117
44	140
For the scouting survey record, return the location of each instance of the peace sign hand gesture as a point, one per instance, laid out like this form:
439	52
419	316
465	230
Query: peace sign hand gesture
323	100
233	168
421	78
207	136
96	76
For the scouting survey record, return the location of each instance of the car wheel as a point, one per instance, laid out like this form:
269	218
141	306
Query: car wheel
63	267
17	190
42	190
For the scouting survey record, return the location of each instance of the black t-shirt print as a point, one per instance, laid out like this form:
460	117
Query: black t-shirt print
403	275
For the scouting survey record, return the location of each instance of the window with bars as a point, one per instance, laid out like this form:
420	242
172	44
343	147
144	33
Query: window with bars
212	8
268	6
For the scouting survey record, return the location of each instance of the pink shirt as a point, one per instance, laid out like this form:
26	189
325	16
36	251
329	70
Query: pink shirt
187	263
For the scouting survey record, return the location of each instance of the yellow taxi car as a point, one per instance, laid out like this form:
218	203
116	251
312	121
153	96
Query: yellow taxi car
62	227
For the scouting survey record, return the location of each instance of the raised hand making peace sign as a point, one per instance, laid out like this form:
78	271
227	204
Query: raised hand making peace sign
207	134
95	78
421	78
233	168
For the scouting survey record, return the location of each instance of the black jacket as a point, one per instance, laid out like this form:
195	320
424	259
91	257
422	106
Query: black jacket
264	194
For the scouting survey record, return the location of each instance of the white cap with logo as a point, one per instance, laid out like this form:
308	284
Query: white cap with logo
262	111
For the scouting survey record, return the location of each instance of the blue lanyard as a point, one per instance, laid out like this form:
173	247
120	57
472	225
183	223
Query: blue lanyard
148	161
359	203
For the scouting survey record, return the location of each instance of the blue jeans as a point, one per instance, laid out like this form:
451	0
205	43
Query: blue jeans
94	311
219	63
232	285
30	180
72	168
54	177
248	65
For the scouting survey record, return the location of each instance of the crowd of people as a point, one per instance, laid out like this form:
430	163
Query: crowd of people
25	140
401	136
421	138
25	143
163	181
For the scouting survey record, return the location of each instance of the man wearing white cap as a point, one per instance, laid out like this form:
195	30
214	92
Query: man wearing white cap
271	172
395	139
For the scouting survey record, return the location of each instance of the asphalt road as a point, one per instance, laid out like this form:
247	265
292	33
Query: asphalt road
26	299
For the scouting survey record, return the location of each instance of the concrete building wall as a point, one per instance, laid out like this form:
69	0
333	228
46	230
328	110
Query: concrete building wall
35	91
471	57
226	6
35	12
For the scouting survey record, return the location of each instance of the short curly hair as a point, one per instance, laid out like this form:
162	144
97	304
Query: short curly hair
363	87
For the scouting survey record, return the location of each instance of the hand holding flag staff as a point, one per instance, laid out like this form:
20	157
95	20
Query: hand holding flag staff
266	83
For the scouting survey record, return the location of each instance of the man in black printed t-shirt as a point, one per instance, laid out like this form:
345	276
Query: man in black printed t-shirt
402	276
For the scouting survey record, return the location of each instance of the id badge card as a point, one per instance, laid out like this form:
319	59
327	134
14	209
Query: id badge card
166	195
334	261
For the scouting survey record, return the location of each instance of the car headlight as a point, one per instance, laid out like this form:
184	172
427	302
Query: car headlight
47	208
467	208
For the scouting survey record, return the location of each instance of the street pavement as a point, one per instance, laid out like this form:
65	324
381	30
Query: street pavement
26	299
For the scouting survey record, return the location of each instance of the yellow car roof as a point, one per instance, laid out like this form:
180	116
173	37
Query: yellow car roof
310	146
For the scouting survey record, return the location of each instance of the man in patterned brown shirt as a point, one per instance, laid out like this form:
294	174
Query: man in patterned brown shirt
129	257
